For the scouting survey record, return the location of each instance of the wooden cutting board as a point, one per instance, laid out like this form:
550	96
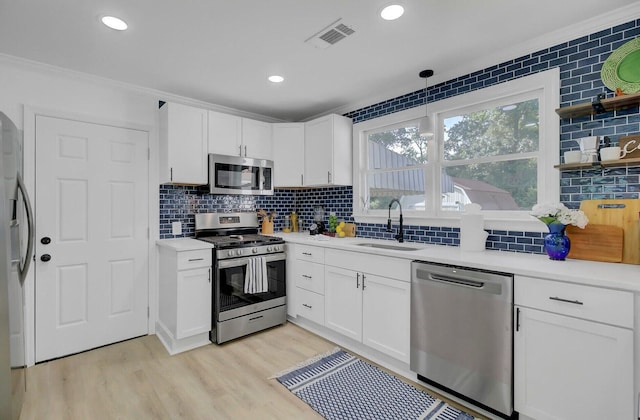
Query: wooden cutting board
623	213
596	243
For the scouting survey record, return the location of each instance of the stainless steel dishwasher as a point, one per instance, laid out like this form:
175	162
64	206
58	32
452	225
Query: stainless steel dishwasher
462	333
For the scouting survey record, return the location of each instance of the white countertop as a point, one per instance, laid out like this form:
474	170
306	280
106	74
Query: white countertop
184	244
611	275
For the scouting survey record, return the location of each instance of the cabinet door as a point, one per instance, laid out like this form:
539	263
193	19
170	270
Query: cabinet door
288	154
343	301
225	133
569	368
385	315
256	139
183	143
194	302
318	151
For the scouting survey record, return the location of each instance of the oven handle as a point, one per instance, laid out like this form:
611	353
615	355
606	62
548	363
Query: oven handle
237	262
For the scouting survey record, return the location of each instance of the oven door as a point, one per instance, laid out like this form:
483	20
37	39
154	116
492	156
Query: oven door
230	299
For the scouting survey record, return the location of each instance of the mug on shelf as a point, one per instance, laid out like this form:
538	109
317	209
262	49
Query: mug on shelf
572	156
610	153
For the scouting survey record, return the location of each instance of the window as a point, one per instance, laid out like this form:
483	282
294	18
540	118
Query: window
495	147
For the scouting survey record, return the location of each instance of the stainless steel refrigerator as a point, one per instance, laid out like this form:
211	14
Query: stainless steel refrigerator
16	253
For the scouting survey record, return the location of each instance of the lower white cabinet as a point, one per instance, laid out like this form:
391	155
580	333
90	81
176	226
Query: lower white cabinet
184	290
309	281
366	307
568	368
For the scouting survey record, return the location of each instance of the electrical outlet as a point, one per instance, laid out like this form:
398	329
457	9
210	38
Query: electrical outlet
176	228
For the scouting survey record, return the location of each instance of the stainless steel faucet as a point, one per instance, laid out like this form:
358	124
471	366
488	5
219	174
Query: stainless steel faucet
400	235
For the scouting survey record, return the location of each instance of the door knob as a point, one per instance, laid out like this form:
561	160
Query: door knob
45	241
45	257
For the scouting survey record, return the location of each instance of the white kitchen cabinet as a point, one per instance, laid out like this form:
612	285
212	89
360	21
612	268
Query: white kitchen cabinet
570	362
343	301
367	307
183	145
236	136
225	133
309	282
328	151
288	154
256	139
185	297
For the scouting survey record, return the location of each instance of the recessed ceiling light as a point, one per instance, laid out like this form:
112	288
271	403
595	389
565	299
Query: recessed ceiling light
114	23
276	79
392	12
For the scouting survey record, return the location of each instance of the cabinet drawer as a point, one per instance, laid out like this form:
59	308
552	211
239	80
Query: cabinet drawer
395	268
593	303
310	305
194	259
310	253
310	276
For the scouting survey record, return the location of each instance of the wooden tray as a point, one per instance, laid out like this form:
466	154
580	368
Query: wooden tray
596	243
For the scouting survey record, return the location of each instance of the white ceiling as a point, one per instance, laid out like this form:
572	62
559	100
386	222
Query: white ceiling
221	52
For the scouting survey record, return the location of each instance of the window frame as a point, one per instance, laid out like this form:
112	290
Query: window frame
548	85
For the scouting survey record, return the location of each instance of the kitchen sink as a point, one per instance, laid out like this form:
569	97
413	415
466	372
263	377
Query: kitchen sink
390	247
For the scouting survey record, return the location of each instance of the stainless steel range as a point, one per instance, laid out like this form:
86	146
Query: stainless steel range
249	292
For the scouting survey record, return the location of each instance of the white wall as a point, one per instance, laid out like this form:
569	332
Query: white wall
27	89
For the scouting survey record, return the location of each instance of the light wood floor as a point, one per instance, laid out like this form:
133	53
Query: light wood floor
137	379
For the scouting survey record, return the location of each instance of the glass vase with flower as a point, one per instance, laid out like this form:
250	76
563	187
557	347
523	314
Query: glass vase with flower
557	216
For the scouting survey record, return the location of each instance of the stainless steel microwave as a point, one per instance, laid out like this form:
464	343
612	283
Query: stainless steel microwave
240	175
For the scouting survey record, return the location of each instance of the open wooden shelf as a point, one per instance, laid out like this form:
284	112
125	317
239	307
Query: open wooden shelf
596	165
609	104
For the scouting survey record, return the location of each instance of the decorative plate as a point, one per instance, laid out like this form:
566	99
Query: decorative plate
622	68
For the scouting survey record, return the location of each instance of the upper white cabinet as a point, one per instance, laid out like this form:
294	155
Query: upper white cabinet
183	145
256	139
328	151
573	351
236	136
288	154
225	133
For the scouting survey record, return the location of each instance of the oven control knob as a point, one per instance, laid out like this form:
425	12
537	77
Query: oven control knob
230	253
254	250
238	252
276	248
269	249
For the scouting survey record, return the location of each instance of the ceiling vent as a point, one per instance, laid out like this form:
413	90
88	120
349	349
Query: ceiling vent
330	35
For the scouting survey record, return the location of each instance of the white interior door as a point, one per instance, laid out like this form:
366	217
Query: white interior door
92	203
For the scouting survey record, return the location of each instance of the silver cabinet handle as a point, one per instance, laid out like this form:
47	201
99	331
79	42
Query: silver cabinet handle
240	150
245	151
307	253
307	306
559	299
209	275
357	280
31	232
329	177
195	259
301	179
306	277
363	286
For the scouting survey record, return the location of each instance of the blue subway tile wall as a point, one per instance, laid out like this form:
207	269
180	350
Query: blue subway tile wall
579	60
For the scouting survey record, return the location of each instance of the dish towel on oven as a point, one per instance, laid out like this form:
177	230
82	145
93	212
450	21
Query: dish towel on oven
256	279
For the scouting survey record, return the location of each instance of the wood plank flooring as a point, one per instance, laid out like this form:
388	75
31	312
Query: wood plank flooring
137	379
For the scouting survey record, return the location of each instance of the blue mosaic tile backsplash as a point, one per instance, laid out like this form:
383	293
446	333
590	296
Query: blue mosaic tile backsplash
579	60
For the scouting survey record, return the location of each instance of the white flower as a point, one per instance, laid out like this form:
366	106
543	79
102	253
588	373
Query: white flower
559	213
